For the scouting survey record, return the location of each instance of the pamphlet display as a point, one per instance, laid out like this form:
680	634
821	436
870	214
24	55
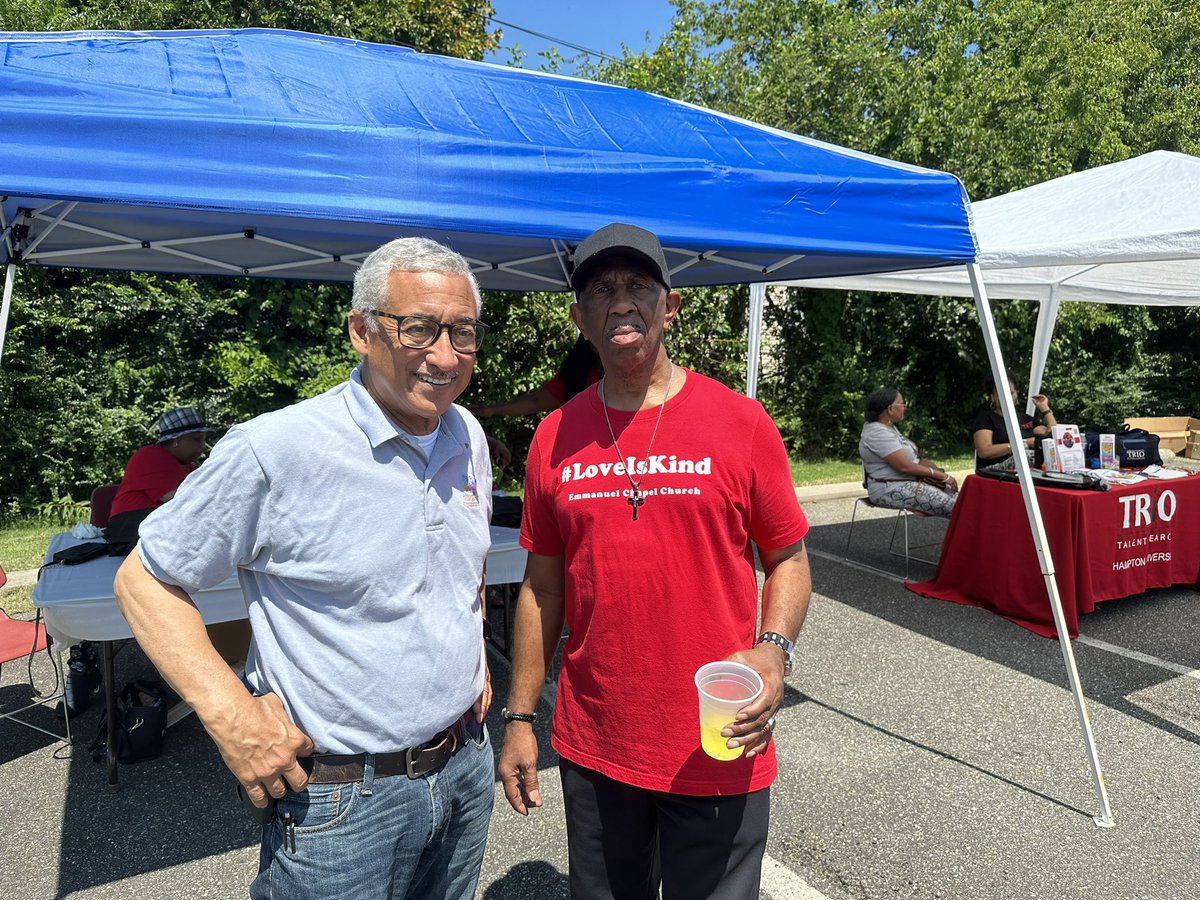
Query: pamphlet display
1068	449
1049	458
1108	451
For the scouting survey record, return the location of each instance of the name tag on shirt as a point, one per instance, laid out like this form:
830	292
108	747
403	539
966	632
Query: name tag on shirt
471	494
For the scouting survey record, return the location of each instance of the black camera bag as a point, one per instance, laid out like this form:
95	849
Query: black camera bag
1136	447
141	723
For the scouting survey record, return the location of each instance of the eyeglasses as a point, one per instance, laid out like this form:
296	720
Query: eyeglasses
905	404
420	332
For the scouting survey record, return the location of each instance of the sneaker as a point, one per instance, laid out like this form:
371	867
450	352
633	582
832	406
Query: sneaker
83	679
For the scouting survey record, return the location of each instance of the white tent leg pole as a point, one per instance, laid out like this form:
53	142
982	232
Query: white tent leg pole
1047	316
1034	513
758	299
10	278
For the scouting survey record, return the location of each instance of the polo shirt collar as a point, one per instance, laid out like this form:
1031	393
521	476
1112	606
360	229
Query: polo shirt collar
374	422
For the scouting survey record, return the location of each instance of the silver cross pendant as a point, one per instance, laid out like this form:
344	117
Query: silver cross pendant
635	500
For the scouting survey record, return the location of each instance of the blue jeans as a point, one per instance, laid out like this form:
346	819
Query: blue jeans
391	837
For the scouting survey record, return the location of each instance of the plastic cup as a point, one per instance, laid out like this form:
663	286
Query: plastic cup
724	688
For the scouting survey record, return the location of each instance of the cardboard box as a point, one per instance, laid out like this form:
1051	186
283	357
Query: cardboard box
1193	448
1173	431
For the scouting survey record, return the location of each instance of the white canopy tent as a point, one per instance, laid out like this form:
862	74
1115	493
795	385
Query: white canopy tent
1128	232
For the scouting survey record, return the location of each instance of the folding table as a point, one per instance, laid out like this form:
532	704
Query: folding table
78	604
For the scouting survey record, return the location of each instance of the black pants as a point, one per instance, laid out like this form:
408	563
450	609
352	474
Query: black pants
623	841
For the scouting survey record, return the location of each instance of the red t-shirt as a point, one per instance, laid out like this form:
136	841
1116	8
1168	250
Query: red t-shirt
649	602
151	472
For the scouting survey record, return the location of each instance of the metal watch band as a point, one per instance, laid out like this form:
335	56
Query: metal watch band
509	716
774	637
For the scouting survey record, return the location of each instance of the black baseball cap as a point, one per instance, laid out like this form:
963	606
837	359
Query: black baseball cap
618	239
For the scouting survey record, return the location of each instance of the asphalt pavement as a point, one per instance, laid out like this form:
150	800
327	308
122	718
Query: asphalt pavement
927	750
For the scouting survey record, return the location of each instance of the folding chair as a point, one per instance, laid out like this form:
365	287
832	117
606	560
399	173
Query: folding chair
902	515
21	640
101	504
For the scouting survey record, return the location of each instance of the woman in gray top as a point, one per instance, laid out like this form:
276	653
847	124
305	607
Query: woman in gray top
897	477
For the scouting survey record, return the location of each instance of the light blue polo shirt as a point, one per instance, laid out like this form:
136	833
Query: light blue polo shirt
360	561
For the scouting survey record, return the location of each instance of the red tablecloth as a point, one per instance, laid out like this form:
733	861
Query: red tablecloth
1104	544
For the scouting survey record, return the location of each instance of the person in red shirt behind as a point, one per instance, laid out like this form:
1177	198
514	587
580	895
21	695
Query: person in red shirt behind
154	472
579	370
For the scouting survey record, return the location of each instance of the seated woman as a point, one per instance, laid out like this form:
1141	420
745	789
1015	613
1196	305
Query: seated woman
991	436
897	477
154	472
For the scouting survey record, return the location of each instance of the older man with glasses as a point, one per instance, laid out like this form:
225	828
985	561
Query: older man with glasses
358	524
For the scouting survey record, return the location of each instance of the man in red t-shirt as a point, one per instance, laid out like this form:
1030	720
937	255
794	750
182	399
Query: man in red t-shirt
644	500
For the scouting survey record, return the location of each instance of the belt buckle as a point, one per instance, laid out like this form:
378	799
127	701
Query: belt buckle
410	757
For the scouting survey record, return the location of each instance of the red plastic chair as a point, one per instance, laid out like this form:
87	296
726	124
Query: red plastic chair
101	504
19	640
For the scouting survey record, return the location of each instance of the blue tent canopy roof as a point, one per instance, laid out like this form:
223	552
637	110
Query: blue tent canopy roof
281	154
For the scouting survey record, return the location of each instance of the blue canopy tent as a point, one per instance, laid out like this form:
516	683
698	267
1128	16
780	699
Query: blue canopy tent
288	155
285	155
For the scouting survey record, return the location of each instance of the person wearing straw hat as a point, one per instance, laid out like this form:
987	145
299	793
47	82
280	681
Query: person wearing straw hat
152	476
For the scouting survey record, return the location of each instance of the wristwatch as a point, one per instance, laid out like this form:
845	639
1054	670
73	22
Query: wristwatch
788	647
508	716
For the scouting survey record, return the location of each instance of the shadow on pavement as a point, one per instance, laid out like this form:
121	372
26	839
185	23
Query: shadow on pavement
1146	623
19	739
528	879
793	697
171	810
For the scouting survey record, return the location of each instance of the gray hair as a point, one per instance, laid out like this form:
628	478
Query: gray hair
411	254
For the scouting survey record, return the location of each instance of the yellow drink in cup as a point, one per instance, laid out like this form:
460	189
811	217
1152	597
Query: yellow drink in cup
724	688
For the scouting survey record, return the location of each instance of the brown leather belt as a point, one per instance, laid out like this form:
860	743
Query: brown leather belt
415	762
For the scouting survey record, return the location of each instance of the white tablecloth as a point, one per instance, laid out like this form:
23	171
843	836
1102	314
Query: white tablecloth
506	559
78	602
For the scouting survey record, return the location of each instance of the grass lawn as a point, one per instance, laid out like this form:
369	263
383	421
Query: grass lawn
22	546
15	601
836	471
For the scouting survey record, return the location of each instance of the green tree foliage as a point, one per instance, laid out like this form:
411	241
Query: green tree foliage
452	28
1004	93
91	359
